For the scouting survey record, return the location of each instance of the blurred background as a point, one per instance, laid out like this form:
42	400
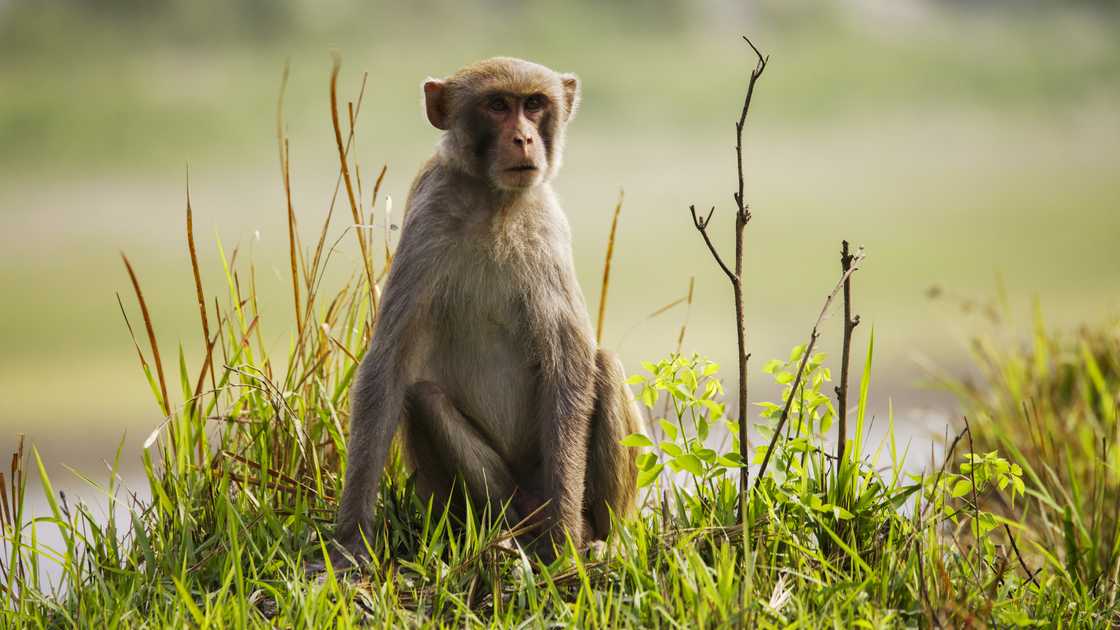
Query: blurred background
971	147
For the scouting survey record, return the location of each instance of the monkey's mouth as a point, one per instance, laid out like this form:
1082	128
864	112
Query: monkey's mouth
524	168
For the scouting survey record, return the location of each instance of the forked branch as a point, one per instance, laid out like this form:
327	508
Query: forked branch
742	216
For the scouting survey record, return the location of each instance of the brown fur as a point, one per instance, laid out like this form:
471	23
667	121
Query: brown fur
483	346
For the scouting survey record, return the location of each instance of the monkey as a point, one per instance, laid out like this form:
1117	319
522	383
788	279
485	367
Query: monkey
483	352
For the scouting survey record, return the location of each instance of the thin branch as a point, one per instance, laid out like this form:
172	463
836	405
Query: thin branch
813	336
850	324
944	463
1019	555
702	227
760	66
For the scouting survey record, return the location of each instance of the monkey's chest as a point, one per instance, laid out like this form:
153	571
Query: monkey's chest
483	359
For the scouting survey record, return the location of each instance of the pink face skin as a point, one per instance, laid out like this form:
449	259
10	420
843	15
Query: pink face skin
519	154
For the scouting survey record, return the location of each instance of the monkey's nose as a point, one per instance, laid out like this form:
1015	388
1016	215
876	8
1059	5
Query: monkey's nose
523	140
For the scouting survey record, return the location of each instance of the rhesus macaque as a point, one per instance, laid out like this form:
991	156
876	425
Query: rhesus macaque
483	350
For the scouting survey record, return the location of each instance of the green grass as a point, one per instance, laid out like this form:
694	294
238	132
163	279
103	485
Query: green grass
1053	404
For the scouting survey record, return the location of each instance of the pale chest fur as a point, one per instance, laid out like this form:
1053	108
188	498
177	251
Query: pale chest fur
486	342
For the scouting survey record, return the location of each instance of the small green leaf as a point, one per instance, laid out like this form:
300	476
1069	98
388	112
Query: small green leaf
716	409
670	448
731	460
688	379
705	454
961	488
637	439
691	463
669	428
646	477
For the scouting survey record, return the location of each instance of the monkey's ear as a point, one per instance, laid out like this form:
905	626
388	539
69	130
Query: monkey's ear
435	103
571	93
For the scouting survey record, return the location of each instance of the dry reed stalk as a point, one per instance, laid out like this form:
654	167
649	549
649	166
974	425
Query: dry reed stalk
208	361
312	275
132	335
201	297
165	402
367	262
257	314
285	174
607	271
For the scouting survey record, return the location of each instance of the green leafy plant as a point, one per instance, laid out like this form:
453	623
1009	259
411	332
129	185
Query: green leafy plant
690	385
957	494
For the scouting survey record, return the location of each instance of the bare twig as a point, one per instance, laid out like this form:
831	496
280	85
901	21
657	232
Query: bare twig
850	324
742	216
813	336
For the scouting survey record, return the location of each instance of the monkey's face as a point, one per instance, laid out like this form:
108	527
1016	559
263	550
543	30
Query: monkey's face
505	119
508	139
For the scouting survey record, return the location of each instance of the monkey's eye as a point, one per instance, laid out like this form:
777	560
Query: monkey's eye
497	104
534	103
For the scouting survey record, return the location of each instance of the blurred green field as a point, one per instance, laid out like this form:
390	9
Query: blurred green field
958	145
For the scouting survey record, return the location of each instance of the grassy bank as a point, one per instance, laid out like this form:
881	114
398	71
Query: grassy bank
245	474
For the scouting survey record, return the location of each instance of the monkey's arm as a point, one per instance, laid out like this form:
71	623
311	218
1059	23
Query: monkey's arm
378	392
566	397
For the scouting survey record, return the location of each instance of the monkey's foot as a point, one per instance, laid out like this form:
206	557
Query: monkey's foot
597	550
343	558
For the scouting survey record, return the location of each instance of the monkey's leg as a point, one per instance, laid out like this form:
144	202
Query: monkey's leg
443	445
612	472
